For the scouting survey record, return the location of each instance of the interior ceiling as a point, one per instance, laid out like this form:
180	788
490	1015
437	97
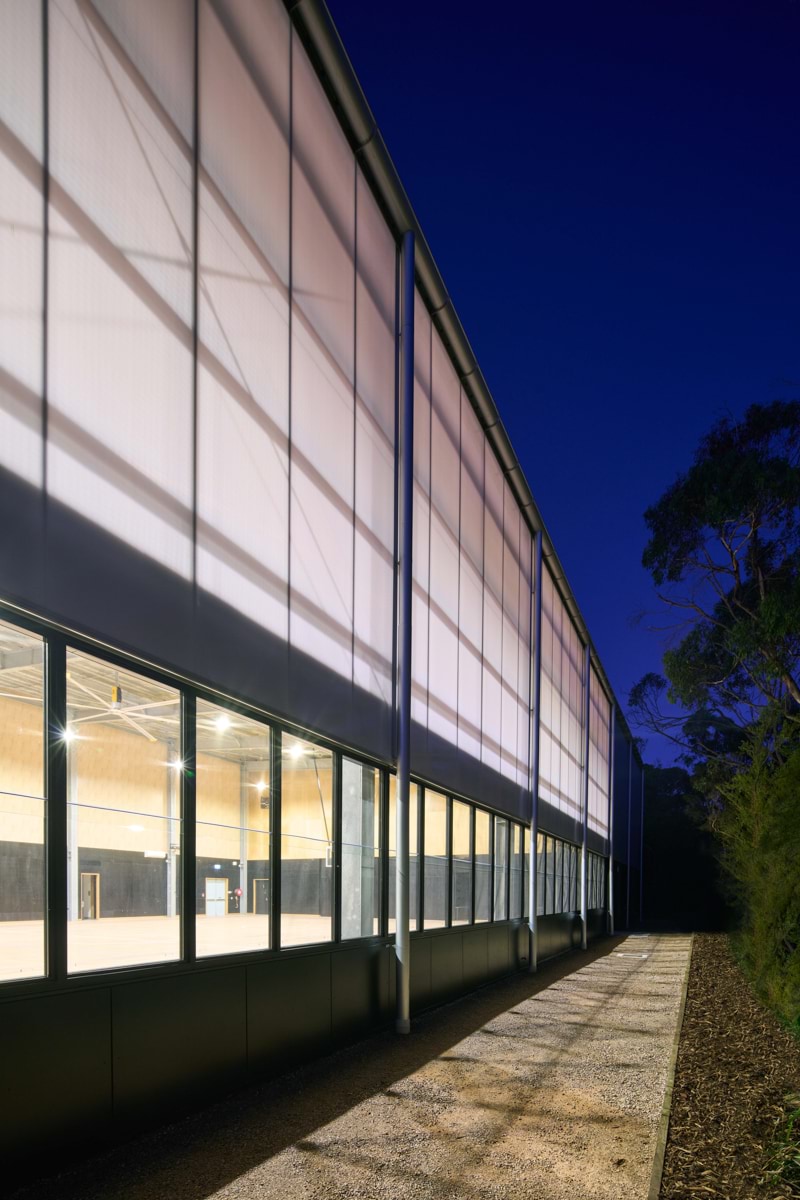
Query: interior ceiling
146	708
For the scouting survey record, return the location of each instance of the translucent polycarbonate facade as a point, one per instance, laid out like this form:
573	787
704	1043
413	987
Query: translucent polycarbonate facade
599	751
120	271
243	310
199	404
21	240
205	279
562	705
472	576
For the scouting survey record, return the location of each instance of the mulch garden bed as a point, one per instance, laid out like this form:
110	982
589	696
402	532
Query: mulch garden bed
735	1066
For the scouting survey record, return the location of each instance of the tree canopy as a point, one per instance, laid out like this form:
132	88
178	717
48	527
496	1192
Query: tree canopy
724	553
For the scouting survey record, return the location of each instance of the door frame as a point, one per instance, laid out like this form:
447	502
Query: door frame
213	879
95	875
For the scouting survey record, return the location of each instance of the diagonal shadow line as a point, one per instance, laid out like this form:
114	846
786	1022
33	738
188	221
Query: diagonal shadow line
204	1153
163	116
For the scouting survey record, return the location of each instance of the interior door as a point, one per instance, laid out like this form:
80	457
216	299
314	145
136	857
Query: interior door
261	896
216	896
90	896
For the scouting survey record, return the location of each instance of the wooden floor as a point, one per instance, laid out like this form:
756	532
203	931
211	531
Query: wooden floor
130	941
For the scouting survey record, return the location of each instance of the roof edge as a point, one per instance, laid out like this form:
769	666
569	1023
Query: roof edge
321	39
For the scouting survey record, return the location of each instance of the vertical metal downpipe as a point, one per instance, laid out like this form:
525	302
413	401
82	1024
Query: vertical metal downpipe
613	729
585	840
406	448
533	920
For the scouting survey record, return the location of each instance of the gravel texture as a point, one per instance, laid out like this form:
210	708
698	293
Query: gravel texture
546	1086
735	1066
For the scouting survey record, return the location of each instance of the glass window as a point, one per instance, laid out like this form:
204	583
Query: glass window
483	866
541	871
413	833
516	872
558	877
233	832
500	869
361	849
22	804
462	863
435	859
123	816
575	862
526	872
306	842
549	877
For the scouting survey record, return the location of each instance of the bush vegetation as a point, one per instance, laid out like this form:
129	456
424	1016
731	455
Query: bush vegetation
724	553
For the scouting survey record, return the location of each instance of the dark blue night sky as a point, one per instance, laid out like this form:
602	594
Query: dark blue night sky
612	193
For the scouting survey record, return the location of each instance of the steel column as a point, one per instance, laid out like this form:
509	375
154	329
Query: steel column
56	790
535	692
587	663
406	451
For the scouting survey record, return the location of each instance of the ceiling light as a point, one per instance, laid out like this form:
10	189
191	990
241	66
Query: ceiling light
223	722
69	735
297	750
136	828
176	764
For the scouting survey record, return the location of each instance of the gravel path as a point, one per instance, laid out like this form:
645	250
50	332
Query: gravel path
546	1086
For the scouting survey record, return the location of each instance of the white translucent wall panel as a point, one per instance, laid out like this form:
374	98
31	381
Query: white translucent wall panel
322	374
243	269
524	661
444	551
599	751
375	423
492	611
21	238
120	340
561	740
510	652
422	512
470	642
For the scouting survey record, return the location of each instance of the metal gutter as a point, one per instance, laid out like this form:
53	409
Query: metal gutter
319	35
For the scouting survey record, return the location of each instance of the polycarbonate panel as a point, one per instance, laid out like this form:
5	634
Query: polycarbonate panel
323	368
599	752
510	651
561	725
444	546
422	513
470	644
492	611
21	239
375	434
120	252
243	248
525	661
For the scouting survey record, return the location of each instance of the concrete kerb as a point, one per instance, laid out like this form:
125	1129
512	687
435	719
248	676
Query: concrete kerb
663	1124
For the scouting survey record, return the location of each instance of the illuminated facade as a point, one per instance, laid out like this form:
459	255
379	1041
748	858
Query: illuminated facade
199	302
